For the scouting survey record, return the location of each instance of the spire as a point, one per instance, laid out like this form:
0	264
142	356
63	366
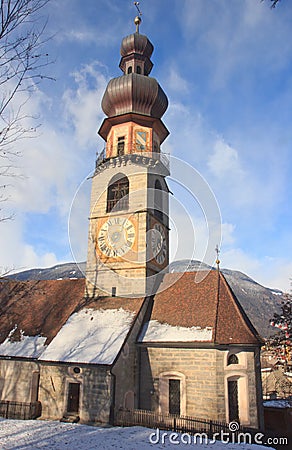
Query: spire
134	91
217	260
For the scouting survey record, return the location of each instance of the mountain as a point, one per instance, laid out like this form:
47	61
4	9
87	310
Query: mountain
258	302
59	272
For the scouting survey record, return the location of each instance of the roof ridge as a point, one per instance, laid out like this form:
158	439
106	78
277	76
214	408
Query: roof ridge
242	314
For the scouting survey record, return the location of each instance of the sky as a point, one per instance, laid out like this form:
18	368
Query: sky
226	67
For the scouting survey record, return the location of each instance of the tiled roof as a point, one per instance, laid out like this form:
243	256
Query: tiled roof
185	310
191	300
38	307
34	313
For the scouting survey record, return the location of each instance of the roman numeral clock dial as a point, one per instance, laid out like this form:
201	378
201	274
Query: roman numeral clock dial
158	243
116	237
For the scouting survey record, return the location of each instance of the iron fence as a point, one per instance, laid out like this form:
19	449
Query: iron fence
182	424
19	410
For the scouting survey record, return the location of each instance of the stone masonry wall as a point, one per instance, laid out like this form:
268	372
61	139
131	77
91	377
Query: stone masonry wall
16	384
204	381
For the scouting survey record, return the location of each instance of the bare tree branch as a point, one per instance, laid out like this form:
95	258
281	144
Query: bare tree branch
22	62
274	3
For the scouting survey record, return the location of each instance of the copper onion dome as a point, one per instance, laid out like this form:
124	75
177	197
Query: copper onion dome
135	92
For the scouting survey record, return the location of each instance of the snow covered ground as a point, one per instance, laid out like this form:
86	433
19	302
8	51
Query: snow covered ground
35	434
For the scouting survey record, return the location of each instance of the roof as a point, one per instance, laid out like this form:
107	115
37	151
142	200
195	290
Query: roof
51	320
187	310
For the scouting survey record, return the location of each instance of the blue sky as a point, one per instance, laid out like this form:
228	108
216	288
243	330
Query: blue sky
226	67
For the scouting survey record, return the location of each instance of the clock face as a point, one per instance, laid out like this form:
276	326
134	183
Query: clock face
158	243
116	237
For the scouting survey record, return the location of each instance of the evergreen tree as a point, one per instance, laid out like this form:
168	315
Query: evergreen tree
281	341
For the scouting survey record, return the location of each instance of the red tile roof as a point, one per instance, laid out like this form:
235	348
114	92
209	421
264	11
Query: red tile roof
191	300
43	307
38	307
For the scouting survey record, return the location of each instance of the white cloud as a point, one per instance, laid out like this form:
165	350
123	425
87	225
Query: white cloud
15	253
175	82
52	166
82	103
224	161
273	272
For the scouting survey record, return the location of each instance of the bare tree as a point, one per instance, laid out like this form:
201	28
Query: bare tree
274	3
22	63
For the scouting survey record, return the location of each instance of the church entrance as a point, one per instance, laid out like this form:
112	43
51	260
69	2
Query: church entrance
73	398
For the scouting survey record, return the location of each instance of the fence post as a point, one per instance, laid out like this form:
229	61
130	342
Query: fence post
7	410
174	424
211	429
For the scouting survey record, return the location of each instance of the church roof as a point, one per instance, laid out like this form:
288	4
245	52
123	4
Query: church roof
188	309
52	320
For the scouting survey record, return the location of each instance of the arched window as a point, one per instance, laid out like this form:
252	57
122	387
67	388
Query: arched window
158	210
232	359
130	69
138	70
233	405
118	193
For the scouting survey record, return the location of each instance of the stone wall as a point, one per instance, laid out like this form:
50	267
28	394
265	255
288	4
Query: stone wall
204	375
18	382
126	368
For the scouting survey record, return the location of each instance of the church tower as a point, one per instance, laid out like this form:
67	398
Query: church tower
128	244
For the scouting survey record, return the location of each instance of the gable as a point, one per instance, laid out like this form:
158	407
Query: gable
197	307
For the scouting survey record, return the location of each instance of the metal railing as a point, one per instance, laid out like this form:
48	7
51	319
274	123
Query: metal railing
159	156
181	424
19	410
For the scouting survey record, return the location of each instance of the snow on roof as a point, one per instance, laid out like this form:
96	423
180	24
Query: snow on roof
90	336
281	403
154	331
27	346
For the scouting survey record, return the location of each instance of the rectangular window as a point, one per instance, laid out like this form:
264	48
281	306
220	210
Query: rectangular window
174	397
121	146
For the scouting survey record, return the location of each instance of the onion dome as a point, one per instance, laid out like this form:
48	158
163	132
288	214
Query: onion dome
135	92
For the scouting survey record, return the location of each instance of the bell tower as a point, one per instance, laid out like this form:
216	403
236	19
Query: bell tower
128	243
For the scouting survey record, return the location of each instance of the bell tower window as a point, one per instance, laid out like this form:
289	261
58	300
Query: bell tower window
118	193
121	146
138	69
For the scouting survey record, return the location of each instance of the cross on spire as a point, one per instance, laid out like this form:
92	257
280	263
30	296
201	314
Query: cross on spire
217	260
138	19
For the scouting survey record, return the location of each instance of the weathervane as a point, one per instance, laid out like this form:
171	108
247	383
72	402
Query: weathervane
138	19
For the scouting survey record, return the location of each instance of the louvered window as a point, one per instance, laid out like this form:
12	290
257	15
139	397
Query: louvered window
118	195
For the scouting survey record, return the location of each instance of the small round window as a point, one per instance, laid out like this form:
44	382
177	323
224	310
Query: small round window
76	370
